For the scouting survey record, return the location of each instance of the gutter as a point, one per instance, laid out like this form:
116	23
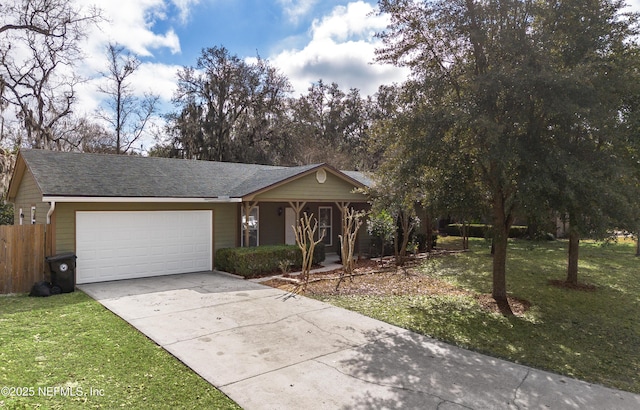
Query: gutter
120	199
52	207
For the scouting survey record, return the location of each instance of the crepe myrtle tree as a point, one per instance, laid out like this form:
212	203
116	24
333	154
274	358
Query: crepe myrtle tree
305	233
352	220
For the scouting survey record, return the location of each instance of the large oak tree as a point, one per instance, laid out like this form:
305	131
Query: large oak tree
489	82
229	109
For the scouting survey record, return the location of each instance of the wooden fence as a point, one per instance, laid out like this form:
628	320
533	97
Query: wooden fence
22	252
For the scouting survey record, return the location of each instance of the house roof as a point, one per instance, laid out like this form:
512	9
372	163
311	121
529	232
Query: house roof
69	174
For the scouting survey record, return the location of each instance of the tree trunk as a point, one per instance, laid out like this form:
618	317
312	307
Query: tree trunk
465	235
501	224
402	251
429	244
574	243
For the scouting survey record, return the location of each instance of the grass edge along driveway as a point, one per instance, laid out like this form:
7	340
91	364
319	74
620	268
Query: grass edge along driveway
68	351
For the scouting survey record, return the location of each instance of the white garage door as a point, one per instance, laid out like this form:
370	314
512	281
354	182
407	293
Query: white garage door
136	244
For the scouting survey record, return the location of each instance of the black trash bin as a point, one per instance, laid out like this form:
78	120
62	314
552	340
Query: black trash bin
63	271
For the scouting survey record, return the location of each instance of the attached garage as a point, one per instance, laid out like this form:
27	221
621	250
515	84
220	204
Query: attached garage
133	244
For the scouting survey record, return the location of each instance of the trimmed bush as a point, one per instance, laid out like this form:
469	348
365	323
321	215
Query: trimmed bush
255	261
484	231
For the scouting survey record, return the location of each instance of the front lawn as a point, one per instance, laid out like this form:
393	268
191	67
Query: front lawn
591	334
68	351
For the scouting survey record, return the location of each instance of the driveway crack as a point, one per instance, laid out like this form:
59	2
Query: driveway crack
517	389
341	336
403	388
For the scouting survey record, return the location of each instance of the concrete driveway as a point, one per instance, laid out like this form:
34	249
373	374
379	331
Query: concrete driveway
266	350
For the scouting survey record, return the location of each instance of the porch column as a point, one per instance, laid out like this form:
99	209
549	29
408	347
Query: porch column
297	208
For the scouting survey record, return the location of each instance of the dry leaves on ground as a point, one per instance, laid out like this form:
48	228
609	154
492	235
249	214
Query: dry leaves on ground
371	279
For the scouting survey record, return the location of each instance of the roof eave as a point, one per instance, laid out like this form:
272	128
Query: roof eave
16	178
137	199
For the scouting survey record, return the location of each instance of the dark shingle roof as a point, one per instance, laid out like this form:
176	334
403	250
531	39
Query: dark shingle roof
104	175
361	177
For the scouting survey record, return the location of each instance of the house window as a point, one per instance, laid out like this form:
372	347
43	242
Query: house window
21	215
33	215
252	225
325	214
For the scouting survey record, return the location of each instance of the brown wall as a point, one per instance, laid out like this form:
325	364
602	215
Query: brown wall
272	225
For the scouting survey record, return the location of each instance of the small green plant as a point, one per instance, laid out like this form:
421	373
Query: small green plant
381	228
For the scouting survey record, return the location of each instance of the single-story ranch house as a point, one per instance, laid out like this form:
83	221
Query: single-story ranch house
130	216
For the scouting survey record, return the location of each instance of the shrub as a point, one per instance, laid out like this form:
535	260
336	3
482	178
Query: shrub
254	261
484	231
6	213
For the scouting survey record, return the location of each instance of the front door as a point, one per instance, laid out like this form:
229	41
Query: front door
289	221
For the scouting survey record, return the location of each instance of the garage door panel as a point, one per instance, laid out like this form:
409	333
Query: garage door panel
132	244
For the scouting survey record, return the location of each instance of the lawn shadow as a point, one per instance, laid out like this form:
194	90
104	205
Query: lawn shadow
12	304
418	372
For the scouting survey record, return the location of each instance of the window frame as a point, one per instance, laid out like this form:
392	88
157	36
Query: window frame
328	227
255	209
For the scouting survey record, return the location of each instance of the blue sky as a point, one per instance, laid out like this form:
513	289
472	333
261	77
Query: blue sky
307	40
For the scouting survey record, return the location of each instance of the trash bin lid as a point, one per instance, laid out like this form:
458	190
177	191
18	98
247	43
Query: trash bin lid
61	256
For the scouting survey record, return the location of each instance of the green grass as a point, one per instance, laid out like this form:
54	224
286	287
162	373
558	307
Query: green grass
71	344
593	336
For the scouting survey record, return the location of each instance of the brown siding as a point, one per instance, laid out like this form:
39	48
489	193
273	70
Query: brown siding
272	229
224	223
271	224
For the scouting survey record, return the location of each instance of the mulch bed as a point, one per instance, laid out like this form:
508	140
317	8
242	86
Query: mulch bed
372	278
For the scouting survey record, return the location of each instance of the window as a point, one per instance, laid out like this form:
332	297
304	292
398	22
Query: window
21	215
33	215
325	224
252	225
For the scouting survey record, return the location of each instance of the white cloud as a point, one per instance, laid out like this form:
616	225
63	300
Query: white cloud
160	79
296	9
341	50
356	20
634	4
185	6
131	25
